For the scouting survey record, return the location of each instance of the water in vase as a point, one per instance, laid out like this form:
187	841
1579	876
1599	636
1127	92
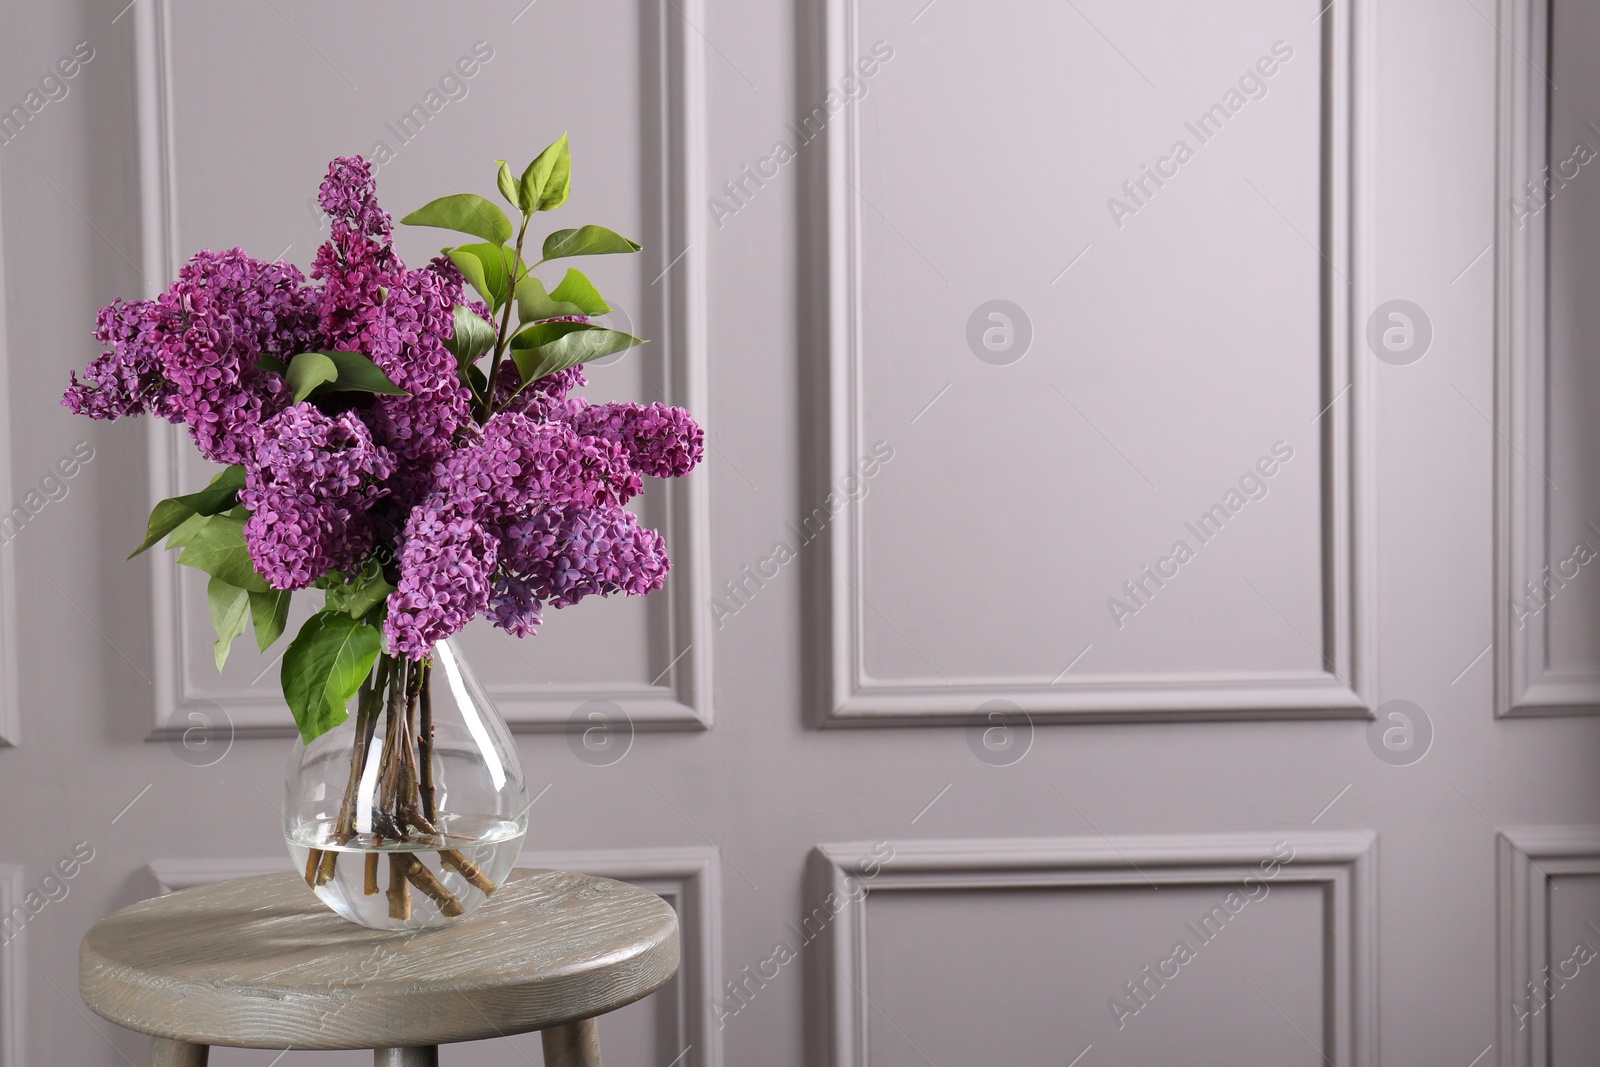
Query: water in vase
423	881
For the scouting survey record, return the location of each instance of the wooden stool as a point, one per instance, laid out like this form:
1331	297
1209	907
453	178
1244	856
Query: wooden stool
261	963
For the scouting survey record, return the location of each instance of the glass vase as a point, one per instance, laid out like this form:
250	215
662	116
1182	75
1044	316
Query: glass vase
412	811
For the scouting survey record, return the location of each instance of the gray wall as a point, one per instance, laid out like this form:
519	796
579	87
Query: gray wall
937	739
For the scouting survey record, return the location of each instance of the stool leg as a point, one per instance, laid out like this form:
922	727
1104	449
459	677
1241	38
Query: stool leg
165	1052
572	1045
415	1056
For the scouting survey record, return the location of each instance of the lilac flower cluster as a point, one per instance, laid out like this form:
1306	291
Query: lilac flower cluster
518	467
559	558
193	354
499	519
399	319
310	488
564	557
660	441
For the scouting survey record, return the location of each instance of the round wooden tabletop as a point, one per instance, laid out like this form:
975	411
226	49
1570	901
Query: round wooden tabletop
261	963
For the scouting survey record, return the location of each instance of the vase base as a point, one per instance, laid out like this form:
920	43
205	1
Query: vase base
422	882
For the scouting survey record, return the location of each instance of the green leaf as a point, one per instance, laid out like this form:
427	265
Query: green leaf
574	296
476	380
230	613
164	518
464	213
534	304
269	612
484	265
472	337
359	374
552	346
167	517
180	537
323	668
586	241
362	593
218	548
311	373
271	363
548	179
560	181
171	513
472	269
578	290
509	186
307	371
542	333
220	493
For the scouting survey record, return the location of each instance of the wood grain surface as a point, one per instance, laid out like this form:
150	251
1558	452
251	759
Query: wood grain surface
261	963
577	1045
167	1053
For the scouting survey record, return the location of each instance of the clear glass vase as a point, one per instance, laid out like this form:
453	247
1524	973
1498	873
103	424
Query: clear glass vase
412	811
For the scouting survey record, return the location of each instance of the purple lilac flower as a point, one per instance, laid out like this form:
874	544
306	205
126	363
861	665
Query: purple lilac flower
444	578
310	487
192	355
520	463
358	260
407	342
349	193
566	556
514	607
516	466
399	319
127	378
661	441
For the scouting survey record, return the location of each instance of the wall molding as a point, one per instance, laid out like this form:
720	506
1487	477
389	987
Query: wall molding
1345	691
171	875
689	878
10	691
1528	862
13	1004
1343	864
1524	684
673	107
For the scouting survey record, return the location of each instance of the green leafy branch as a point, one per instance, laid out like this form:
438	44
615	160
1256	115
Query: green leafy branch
543	342
336	645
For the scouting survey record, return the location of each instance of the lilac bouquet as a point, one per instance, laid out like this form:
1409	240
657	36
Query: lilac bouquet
408	448
392	439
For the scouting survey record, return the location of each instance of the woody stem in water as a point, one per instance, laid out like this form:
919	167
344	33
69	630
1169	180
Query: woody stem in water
400	692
